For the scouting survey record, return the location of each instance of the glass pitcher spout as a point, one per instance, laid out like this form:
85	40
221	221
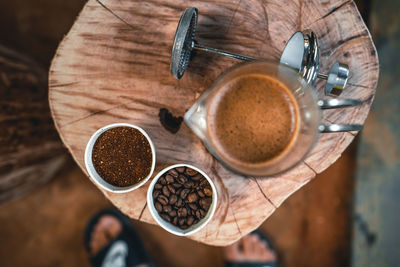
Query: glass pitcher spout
196	119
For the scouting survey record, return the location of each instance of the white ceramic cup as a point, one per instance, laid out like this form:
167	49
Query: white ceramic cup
169	226
97	178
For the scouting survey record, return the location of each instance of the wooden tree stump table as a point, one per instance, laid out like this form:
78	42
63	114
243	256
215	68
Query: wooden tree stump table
108	71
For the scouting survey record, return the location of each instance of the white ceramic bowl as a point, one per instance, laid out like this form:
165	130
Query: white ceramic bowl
169	226
97	178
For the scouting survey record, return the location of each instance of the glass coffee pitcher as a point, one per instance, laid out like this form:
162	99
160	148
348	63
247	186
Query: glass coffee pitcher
201	116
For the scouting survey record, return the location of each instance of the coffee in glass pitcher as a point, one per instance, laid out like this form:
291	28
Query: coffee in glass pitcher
253	119
258	118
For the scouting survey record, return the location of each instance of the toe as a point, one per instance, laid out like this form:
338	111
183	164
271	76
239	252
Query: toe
232	253
105	230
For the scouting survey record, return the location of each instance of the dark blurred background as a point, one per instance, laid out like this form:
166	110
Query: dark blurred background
347	216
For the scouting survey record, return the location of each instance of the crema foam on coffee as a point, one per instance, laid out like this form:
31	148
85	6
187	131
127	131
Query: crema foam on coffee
253	119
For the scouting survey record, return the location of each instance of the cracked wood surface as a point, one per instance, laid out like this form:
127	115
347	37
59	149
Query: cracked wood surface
108	71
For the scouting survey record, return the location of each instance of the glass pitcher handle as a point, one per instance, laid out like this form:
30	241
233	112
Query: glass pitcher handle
338	103
335	128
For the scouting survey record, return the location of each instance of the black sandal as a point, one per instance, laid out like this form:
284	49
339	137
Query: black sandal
256	264
127	242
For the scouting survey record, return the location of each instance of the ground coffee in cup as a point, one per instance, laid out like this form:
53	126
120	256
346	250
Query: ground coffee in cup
182	196
122	156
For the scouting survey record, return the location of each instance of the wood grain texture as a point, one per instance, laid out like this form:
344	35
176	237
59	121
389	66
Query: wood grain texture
106	71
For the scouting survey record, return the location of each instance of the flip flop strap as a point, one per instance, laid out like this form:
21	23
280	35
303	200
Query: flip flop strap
251	264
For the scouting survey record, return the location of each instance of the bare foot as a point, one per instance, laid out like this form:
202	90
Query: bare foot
106	229
249	249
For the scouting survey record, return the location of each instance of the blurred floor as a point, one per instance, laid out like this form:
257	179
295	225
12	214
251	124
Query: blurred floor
36	27
45	228
377	208
312	228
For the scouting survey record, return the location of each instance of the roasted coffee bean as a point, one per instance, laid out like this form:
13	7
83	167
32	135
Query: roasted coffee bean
176	185
193	206
184	227
207	191
179	203
205	203
158	206
184	193
166	191
191	172
190	220
182	179
173	173
171	189
189	184
182	221
172	213
203	182
189	211
182	212
173	199
165	217
201	202
180	169
201	193
202	213
157	186
196	221
197	177
162	181
169	178
192	197
178	192
198	214
162	199
167	208
175	221
156	193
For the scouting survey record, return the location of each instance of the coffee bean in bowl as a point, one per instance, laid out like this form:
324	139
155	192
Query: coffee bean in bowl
182	199
120	157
